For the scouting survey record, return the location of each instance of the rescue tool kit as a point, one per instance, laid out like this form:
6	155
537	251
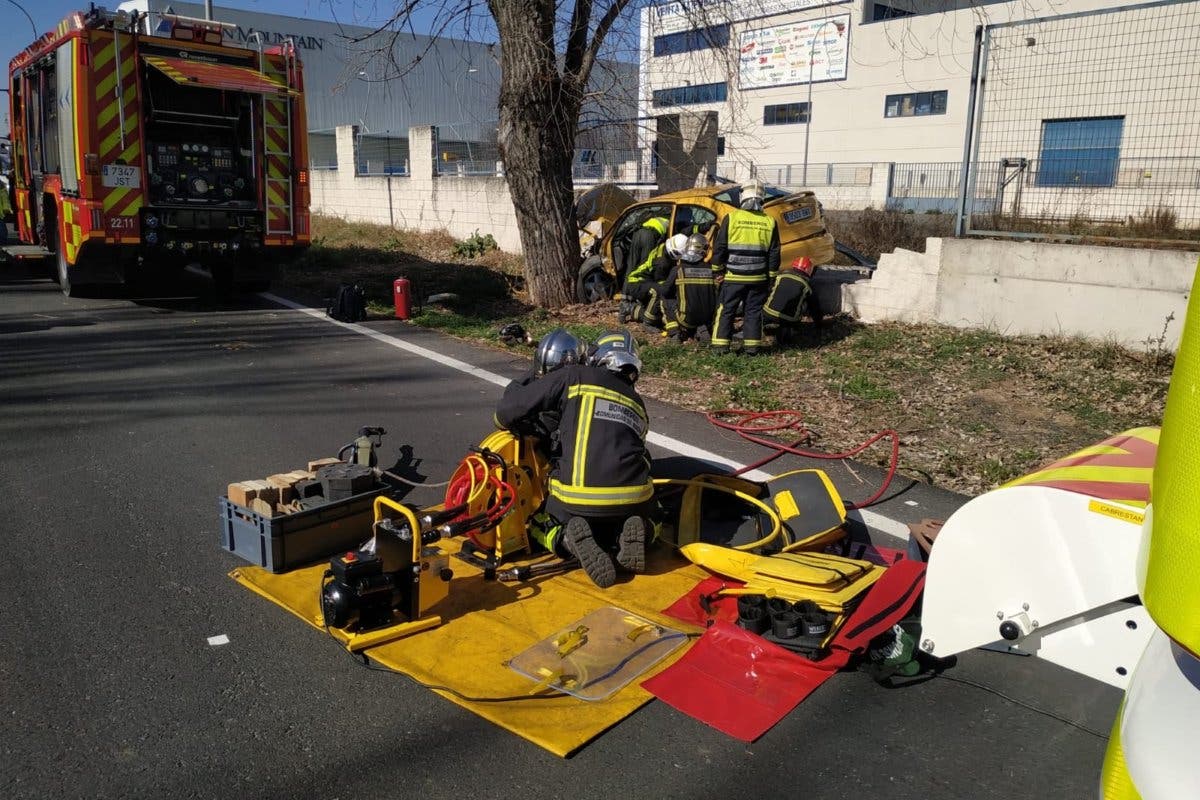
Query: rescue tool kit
745	574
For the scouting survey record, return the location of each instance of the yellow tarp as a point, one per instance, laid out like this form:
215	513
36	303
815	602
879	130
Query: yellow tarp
485	623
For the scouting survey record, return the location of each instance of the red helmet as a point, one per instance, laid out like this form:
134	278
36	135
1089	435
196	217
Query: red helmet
803	264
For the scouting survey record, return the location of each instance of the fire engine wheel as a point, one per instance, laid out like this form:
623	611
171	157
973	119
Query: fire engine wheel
63	273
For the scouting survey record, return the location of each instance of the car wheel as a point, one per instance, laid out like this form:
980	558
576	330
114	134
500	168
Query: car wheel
595	284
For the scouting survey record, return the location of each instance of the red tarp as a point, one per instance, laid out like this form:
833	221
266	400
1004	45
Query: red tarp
741	684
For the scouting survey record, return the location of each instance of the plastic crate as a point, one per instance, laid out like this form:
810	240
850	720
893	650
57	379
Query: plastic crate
294	540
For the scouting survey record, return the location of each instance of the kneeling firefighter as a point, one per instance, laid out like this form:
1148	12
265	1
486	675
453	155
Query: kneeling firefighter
641	296
600	475
790	295
691	290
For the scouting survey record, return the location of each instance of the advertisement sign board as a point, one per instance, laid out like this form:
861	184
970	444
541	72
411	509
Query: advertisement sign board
684	15
779	55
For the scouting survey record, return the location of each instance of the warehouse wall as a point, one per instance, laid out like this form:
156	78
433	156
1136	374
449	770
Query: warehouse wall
423	200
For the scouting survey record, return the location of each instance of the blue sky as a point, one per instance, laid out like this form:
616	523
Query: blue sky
16	34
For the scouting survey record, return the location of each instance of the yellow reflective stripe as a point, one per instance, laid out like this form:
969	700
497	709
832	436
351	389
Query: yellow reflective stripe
715	338
656	223
102	53
616	337
752	277
1089	473
104	88
600	495
581	434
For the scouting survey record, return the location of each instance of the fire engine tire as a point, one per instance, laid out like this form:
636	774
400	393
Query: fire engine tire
63	273
595	285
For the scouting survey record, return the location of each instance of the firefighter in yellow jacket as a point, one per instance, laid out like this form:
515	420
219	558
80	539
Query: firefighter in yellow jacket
745	260
641	296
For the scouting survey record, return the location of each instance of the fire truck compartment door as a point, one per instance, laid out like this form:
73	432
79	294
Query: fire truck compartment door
231	77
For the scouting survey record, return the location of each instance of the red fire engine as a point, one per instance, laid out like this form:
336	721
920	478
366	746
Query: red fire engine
135	152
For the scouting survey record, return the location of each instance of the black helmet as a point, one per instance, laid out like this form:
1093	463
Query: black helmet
557	348
616	339
623	362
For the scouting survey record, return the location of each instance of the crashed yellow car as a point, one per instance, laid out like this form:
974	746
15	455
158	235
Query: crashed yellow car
801	224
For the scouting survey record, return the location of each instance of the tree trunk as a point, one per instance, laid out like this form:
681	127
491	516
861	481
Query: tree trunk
539	112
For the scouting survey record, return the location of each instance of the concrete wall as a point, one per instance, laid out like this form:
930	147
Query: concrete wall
1110	293
423	201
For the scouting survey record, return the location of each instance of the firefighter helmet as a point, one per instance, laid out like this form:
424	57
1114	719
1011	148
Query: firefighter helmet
616	339
695	249
676	245
752	196
557	348
803	265
623	362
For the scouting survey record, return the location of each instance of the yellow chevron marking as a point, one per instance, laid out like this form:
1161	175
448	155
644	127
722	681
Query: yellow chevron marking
114	197
105	87
102	53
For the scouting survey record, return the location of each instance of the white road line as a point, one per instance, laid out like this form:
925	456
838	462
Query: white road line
869	518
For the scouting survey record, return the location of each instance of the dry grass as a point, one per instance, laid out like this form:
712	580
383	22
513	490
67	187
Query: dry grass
873	232
973	408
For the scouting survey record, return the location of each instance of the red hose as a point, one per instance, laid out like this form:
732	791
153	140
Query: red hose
748	424
473	472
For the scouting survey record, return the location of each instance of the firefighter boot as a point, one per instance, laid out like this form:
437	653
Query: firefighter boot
632	553
578	539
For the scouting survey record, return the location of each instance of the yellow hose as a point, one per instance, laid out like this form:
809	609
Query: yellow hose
777	523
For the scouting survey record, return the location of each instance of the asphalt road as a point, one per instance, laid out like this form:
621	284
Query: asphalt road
123	420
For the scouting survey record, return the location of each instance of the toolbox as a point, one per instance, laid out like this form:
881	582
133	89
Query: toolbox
288	541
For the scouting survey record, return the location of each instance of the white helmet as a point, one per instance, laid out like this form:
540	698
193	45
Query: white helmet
676	244
752	196
622	362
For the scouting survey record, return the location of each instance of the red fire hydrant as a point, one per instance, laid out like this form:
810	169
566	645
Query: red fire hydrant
403	296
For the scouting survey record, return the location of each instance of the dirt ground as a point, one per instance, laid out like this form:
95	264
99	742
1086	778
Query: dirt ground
973	408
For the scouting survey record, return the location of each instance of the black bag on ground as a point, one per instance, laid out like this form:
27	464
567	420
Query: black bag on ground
349	304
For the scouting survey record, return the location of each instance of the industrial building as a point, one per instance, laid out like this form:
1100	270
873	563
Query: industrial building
384	83
824	92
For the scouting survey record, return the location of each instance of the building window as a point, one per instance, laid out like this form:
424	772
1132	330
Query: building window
690	95
786	114
916	104
720	145
1080	152
882	12
687	41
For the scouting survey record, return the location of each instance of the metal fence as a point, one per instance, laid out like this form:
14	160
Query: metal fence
322	150
928	186
810	175
617	166
1085	125
381	154
468	158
